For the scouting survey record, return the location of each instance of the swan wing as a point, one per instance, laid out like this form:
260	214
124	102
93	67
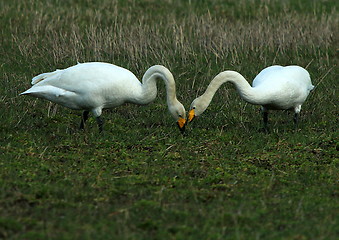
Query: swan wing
94	83
93	77
283	87
43	76
266	75
276	74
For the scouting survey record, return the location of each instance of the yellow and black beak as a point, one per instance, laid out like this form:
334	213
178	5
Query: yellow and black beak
191	115
181	124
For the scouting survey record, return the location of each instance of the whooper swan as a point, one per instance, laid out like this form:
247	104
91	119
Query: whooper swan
274	88
94	86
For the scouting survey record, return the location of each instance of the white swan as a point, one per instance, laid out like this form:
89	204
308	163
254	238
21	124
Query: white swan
94	86
275	87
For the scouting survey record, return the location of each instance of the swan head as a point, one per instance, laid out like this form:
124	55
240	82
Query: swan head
178	112
198	106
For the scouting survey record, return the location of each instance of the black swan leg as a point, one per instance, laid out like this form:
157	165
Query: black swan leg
296	120
100	123
84	118
265	120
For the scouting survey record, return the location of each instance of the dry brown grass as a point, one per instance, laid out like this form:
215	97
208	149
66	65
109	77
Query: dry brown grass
77	35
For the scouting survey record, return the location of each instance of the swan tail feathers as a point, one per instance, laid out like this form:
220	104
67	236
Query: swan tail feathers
25	93
44	76
43	91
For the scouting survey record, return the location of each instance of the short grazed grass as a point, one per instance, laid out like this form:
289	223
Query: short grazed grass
142	179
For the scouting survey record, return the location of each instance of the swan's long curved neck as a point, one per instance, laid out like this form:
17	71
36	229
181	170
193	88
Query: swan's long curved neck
149	85
245	90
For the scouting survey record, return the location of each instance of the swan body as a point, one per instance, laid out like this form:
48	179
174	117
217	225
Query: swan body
274	88
94	86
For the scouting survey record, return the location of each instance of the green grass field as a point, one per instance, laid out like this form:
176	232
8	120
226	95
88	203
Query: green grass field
142	179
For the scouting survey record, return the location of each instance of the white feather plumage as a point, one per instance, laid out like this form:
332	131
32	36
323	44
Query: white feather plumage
94	86
274	88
